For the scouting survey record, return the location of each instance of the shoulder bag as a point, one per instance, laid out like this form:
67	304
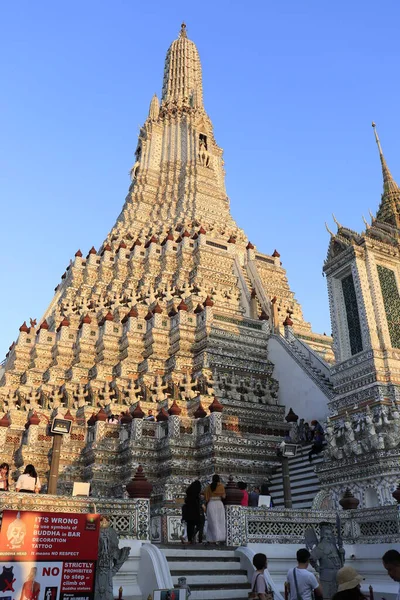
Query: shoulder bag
298	596
254	595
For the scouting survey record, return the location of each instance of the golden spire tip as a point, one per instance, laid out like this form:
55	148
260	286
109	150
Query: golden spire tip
377	138
183	32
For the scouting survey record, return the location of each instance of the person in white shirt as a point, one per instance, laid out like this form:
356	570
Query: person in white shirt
391	562
306	581
29	481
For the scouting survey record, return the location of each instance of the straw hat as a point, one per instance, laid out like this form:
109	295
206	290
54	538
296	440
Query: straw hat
348	578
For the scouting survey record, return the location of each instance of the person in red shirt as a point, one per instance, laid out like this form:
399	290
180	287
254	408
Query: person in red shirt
245	498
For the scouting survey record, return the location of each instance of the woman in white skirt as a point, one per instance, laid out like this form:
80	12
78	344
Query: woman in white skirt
214	494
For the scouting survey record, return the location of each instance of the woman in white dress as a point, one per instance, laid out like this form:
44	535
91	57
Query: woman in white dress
214	494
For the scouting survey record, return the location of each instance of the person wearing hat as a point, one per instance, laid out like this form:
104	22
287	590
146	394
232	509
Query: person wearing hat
349	585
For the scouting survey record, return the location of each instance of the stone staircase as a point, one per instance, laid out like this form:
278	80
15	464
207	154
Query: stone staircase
303	480
211	573
299	353
250	287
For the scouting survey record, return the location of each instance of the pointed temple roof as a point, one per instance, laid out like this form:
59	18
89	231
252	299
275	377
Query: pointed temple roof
385	227
389	208
182	74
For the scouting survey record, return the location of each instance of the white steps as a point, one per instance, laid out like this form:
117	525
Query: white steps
212	574
304	482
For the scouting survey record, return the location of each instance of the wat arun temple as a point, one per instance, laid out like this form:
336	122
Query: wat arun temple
177	312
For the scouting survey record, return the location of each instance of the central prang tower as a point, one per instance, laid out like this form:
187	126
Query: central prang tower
172	314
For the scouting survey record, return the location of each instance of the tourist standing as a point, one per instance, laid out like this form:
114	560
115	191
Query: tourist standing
214	494
4	471
349	585
150	416
302	582
316	426
254	496
245	498
265	492
29	481
391	562
191	512
258	584
318	444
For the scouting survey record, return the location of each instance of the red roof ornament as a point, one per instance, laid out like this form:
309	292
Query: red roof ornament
107	317
263	316
208	301
182	306
274	299
199	309
122	245
162	415
101	415
250	246
43	325
232	240
288	322
86	319
133	313
152	240
185	233
64	323
202	231
157	309
139	487
24	327
5	421
138	412
63	276
107	248
92	251
291	417
69	416
78	254
34	419
215	406
275	254
168	238
92	420
200	413
174	409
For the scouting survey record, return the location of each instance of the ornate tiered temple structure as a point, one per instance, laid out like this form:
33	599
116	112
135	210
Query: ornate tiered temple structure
363	274
171	314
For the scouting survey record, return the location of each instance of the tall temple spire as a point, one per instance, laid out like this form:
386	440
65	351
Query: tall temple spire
389	208
182	74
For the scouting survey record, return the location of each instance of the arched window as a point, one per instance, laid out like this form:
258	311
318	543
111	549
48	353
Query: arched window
371	498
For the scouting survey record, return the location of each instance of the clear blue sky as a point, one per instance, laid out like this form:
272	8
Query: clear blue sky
291	87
